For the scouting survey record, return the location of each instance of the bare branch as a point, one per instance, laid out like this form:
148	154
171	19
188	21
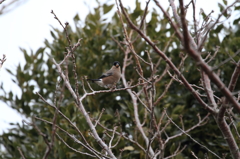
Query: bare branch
185	132
194	155
225	61
234	77
49	147
99	117
2	60
71	53
170	82
88	147
235	127
212	57
174	25
176	152
164	92
196	56
110	142
175	15
195	24
144	15
169	62
124	136
21	153
142	102
211	25
12	4
208	90
84	153
226	131
86	144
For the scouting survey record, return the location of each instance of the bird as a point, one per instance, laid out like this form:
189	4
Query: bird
110	78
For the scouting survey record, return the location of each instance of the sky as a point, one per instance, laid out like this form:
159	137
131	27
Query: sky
29	24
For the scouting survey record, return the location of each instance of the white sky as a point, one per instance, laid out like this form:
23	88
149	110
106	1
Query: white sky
29	24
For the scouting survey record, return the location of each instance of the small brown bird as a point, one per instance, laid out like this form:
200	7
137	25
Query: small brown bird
110	78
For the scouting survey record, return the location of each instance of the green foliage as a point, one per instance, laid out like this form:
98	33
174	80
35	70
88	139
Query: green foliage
94	56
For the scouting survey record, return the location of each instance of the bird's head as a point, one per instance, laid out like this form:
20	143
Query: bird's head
116	64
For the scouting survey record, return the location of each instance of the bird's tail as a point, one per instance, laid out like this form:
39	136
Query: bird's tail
93	80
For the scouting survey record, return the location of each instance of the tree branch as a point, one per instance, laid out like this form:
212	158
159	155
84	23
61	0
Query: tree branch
196	56
168	61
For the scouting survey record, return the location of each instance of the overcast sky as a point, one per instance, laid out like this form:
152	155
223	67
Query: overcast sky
29	24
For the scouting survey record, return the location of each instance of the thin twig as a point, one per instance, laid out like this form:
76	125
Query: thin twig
19	149
49	147
69	121
80	152
88	147
176	152
71	53
113	133
234	77
225	61
163	55
185	132
206	68
124	136
2	60
99	117
212	25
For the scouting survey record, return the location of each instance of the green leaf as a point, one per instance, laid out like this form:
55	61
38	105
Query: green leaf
237	7
9	71
107	8
26	56
53	35
225	2
221	7
76	18
236	21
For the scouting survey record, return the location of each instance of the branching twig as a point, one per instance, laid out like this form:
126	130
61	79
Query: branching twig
88	147
70	49
2	60
212	57
69	52
211	25
141	102
83	153
174	25
83	110
185	82
124	136
194	155
234	77
186	133
7	7
176	152
206	68
49	147
113	133
99	117
225	61
69	121
133	97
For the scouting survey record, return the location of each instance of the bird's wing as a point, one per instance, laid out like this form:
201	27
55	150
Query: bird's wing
107	74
